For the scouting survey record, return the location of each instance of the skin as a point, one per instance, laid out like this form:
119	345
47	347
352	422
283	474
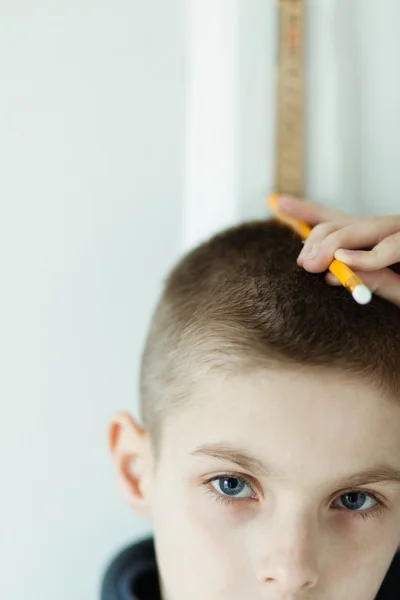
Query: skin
367	245
292	534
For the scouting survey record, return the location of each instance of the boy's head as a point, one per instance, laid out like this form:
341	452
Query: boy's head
264	394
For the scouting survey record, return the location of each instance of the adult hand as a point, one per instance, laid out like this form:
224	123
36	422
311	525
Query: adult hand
368	245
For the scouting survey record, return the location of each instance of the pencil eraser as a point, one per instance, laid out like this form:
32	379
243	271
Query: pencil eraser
362	294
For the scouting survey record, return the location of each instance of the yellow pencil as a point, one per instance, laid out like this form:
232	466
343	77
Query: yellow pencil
353	284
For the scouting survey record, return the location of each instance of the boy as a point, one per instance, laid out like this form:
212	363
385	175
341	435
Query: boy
269	457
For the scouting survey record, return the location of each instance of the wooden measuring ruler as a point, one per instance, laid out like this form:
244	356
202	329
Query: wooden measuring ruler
289	154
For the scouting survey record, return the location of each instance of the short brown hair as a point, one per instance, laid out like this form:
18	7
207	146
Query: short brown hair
241	297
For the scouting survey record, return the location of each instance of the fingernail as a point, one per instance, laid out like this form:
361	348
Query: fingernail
343	254
301	253
304	250
311	252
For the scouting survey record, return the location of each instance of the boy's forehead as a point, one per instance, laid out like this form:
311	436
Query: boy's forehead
291	416
299	391
279	384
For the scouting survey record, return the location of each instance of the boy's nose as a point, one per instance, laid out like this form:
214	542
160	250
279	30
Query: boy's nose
290	565
289	582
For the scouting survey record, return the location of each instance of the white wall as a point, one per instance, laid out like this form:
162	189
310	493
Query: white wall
116	153
91	151
352	117
353	95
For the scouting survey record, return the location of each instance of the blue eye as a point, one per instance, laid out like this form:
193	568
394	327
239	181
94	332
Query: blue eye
357	500
232	486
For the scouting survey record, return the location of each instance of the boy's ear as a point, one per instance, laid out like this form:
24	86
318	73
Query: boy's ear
130	449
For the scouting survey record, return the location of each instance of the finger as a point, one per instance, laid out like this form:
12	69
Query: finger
331	279
363	233
314	239
310	212
384	283
384	254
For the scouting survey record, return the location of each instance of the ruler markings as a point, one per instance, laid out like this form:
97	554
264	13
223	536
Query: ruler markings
290	99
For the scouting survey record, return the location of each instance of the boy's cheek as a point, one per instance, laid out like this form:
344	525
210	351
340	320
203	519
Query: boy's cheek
188	547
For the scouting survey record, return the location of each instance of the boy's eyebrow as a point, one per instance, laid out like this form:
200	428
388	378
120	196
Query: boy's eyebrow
224	451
